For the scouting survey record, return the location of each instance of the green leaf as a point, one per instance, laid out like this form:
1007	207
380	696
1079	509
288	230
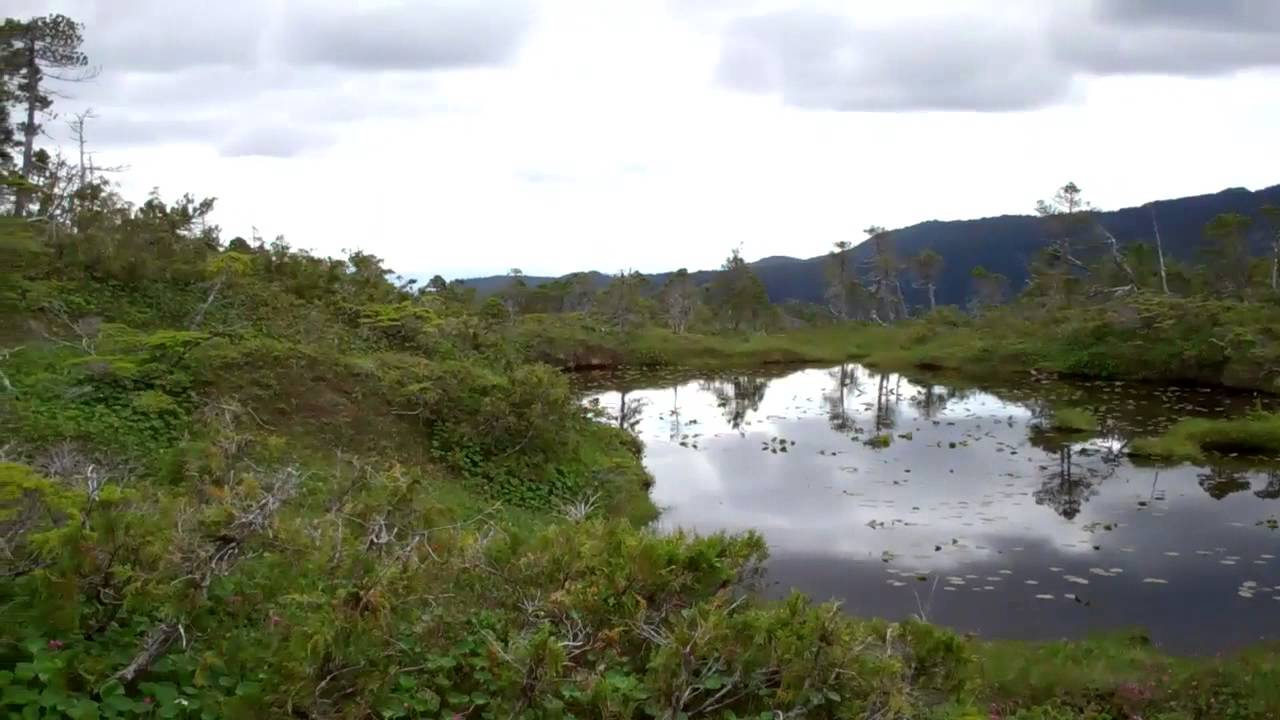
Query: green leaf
19	695
84	709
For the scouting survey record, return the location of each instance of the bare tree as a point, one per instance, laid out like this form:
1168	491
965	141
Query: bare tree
927	267
679	297
883	270
513	295
1164	278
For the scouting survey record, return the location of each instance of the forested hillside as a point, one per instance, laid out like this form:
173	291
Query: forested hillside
1007	245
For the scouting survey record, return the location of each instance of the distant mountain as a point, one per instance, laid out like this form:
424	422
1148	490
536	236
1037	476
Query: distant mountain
1006	244
775	260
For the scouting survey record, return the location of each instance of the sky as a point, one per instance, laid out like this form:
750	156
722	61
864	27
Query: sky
467	137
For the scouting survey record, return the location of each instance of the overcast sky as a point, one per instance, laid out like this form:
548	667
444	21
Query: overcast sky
471	136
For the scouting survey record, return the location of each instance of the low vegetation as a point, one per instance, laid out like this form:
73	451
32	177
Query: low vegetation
1193	438
1148	337
1071	419
576	342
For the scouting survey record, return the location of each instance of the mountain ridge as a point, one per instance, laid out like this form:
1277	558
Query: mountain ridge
1002	243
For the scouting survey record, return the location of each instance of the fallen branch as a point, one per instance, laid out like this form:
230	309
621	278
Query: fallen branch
156	643
218	561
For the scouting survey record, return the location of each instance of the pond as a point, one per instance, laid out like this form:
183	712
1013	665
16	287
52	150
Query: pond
899	497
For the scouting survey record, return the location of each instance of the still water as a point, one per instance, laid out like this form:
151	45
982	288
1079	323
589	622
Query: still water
971	513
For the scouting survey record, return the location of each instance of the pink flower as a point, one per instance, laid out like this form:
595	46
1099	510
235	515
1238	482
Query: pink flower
55	644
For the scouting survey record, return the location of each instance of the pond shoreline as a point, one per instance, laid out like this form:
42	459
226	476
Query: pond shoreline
743	426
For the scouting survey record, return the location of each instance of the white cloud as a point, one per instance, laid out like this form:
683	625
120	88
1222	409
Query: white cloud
557	135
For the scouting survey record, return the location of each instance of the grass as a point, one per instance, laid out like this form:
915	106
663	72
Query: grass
1072	419
1193	438
573	341
1122	676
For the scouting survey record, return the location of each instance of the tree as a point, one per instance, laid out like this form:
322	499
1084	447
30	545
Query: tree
927	267
581	293
1227	251
883	270
839	279
1155	228
988	288
1271	214
620	301
7	134
679	298
1065	216
737	295
1071	221
34	51
513	295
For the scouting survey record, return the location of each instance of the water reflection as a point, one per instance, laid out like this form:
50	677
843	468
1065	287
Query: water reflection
931	400
846	385
967	488
1270	491
630	412
738	395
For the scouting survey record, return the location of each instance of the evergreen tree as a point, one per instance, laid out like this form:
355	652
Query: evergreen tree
1227	252
32	52
927	267
737	296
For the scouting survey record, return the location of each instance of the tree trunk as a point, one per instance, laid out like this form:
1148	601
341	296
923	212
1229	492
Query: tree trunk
213	295
1164	279
903	314
933	303
1118	258
1275	264
32	82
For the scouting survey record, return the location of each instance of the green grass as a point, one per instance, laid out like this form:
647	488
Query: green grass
1072	419
1147	337
574	341
1193	438
1122	676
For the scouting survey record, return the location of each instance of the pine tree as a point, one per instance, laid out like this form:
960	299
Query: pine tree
33	52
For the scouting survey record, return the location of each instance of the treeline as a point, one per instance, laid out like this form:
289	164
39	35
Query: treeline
1080	263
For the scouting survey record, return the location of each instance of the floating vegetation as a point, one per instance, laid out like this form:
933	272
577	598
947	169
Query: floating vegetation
1071	420
1194	439
881	441
776	445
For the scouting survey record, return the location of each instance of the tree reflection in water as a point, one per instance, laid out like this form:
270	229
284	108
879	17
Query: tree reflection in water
931	401
1220	481
1270	491
886	404
846	384
630	413
737	396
